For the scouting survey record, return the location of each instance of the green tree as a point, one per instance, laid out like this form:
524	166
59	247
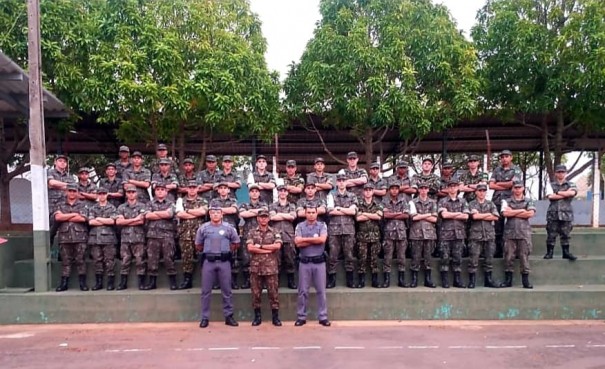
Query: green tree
374	66
545	59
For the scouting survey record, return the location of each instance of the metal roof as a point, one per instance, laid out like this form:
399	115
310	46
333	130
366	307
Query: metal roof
14	93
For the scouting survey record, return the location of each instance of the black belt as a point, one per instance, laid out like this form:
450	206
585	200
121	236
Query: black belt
217	257
313	259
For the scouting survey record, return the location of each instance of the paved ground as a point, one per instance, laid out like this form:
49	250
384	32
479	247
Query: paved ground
373	345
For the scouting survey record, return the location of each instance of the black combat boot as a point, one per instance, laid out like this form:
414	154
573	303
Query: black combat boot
361	280
257	318
414	282
508	280
230	321
488	281
375	280
549	251
246	282
401	280
568	255
292	282
172	281
82	279
444	281
63	285
234	285
428	282
152	285
110	283
332	280
471	280
525	281
98	282
186	283
458	280
350	282
141	282
275	317
387	280
123	282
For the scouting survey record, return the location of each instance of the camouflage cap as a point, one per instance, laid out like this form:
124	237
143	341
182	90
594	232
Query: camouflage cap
473	158
192	183
309	184
253	187
102	190
402	164
160	185
259	157
124	149
341	176
108	165
375	166
518	183
165	161
481	186
319	160
215	205
137	153
428	158
453	182
227	158
61	156
162	147
210	158
263	212
188	161
72	186
130	187
423	184
506	152
281	187
394	182
447	164
368	185
560	168
291	163
352	154
83	169
219	184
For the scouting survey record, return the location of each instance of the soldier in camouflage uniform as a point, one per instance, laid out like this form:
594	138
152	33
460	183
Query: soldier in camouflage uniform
160	237
263	244
356	177
187	175
481	236
423	234
102	239
166	178
113	184
131	218
263	179
139	177
401	174
369	215
229	176
380	184
427	177
321	181
471	178
208	177
517	210
58	179
87	191
249	212
293	181
162	153
311	199
559	216
123	163
72	233
230	215
341	230
396	214
283	214
501	182
447	173
454	212
191	211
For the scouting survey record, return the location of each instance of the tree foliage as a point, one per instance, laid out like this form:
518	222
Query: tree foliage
544	58
376	65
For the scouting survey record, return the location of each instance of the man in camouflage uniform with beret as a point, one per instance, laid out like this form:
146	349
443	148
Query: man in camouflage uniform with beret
191	211
282	214
447	174
102	239
58	179
113	184
123	163
423	234
131	219
428	178
187	175
481	236
402	176
471	178
229	176
161	152
73	234
356	177
379	184
139	177
87	191
263	179
293	181
311	199
341	231
396	214
263	244
249	212
320	179
369	215
559	216
208	177
160	237
517	210
166	178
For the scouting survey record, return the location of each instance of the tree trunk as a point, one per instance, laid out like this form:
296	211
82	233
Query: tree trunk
548	160
368	143
181	144
559	138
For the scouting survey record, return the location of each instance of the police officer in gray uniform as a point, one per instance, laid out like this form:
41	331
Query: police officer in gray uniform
559	216
216	240
310	237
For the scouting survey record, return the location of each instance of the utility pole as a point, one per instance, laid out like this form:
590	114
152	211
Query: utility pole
37	151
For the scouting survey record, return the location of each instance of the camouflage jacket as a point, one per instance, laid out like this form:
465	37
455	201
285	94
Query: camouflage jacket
251	223
155	166
120	169
266	196
314	178
232	219
296	181
163	228
102	235
505	175
467	178
113	187
342	224
369	231
286	228
379	184
56	195
73	232
188	227
90	188
144	175
304	202
561	209
171	178
452	229
264	264
205	177
433	181
423	229
482	230
231	177
517	228
354	174
132	234
394	229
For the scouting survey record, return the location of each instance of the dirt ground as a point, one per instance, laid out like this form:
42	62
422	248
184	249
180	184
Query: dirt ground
380	345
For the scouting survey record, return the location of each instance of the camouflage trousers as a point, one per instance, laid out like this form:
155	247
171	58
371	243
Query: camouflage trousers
559	228
421	253
256	287
475	248
346	243
362	255
187	254
287	259
104	257
399	246
513	248
72	253
128	250
157	247
451	253
241	259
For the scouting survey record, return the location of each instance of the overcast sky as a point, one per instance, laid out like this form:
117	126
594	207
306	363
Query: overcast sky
289	24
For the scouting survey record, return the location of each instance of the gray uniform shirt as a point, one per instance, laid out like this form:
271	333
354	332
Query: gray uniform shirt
317	229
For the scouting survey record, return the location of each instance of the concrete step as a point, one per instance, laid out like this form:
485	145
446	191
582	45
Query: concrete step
584	241
584	271
162	305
